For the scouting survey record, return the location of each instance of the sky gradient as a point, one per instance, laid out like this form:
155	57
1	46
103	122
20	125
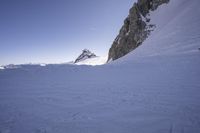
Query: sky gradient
56	31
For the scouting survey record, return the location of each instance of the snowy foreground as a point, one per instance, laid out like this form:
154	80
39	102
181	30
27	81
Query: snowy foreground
154	89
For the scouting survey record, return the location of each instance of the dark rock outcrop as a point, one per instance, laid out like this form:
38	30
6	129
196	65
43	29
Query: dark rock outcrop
136	28
86	54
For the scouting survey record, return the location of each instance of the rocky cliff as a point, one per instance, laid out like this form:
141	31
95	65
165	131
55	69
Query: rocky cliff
137	27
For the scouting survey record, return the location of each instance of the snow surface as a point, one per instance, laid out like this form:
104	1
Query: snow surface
154	89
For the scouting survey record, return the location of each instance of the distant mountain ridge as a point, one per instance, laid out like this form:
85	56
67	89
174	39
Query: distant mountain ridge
86	54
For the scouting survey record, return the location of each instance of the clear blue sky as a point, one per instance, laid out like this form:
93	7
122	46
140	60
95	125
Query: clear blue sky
53	31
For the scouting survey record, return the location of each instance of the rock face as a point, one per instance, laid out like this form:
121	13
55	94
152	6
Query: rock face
136	28
86	54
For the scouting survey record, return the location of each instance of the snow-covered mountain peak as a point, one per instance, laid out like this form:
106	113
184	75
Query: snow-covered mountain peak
86	54
89	58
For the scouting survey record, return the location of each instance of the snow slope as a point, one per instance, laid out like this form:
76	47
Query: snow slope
154	89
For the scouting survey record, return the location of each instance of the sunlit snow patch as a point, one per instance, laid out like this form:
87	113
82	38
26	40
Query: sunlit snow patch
93	61
42	64
1	67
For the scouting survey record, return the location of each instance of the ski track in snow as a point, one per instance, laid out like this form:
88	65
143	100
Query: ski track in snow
154	89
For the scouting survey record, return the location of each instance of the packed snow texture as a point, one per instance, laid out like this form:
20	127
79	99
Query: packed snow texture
154	89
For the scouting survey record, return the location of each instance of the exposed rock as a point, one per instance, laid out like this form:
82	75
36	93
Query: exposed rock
86	54
136	28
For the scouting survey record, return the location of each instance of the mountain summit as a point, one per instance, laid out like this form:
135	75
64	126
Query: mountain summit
86	54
